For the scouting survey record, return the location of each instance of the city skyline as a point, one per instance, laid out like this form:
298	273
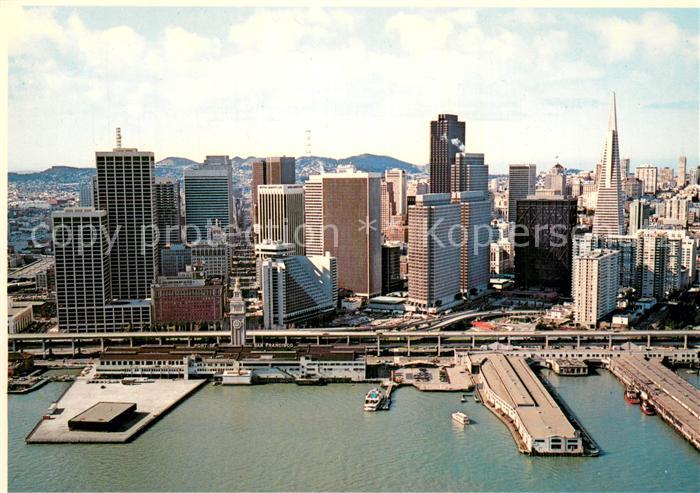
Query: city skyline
530	85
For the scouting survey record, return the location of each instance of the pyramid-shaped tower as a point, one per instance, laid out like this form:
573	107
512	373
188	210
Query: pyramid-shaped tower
609	218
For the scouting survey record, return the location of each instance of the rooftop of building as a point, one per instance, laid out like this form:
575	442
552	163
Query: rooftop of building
104	412
512	380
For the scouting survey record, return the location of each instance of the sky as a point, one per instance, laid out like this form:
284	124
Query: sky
531	85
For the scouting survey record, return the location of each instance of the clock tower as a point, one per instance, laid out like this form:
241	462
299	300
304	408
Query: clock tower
237	314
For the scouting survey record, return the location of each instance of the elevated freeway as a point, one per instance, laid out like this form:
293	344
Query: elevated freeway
378	340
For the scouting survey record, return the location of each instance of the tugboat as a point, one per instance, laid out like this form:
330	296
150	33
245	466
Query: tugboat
374	399
632	396
648	408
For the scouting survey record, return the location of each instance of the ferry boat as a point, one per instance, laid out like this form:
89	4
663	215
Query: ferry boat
374	399
461	418
648	408
632	396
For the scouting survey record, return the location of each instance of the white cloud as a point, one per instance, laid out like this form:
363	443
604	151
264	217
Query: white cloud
269	30
654	34
28	27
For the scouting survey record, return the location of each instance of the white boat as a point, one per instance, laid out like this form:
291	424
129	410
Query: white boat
461	418
374	399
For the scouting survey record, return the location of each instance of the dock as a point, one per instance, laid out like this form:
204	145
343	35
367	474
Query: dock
676	401
153	399
512	391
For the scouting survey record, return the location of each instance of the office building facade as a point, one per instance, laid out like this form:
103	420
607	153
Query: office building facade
447	134
595	285
522	179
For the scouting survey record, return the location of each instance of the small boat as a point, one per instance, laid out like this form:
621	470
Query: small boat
648	408
460	418
374	399
632	396
476	398
464	398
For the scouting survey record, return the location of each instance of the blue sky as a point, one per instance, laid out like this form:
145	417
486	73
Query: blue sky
530	84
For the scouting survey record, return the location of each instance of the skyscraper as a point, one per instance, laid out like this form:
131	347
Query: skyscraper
88	192
433	255
543	259
555	181
270	171
281	215
208	198
84	275
522	179
648	174
342	214
625	171
475	216
167	193
682	163
609	213
595	285
125	179
639	216
446	140
469	173
388	205
298	288
397	178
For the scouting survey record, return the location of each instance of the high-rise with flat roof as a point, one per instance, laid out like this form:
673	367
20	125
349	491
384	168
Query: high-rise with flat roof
84	296
543	258
595	285
281	215
342	215
446	140
270	171
397	178
682	164
469	173
208	199
434	248
125	179
609	213
167	195
522	179
475	216
648	174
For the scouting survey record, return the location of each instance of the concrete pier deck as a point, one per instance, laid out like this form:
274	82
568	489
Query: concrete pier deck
675	400
511	390
153	399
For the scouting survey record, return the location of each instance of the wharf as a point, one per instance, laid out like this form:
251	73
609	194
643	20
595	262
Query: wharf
458	379
511	390
675	400
153	399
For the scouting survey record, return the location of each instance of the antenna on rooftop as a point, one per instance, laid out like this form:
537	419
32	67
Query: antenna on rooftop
119	138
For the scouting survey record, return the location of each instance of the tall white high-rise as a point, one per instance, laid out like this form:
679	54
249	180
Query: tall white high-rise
280	214
475	216
609	216
433	252
649	175
397	178
595	284
84	296
522	179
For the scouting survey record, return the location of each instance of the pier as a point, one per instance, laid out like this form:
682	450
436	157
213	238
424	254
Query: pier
676	401
512	391
152	400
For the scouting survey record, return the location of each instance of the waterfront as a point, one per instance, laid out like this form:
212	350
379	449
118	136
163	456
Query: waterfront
285	437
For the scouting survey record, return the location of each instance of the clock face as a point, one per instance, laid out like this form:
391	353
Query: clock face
237	324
